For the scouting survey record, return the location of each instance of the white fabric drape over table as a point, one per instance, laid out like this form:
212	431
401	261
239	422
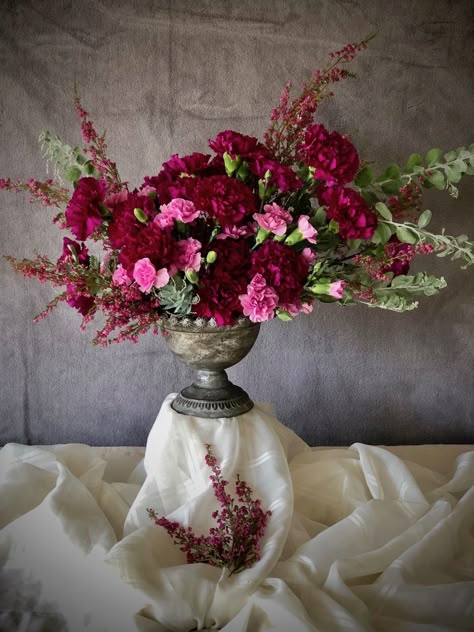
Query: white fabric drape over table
359	539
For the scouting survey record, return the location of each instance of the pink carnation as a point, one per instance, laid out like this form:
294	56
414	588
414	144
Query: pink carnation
179	209
188	255
146	276
307	230
275	219
120	276
294	309
260	301
236	232
309	255
336	289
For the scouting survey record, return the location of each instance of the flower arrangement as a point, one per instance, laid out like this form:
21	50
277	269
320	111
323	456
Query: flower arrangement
255	229
235	542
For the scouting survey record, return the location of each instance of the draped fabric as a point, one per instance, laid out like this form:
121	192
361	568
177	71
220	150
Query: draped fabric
359	538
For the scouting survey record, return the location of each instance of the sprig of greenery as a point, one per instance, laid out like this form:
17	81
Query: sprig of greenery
398	294
68	162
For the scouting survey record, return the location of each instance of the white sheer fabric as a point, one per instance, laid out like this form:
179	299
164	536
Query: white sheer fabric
359	539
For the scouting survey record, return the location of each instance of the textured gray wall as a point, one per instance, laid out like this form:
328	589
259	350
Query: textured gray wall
162	77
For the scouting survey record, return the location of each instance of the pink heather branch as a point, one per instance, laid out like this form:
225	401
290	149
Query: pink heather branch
48	193
288	123
97	149
235	542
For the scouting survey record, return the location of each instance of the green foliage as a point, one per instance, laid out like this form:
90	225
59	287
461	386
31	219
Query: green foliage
399	294
177	296
69	163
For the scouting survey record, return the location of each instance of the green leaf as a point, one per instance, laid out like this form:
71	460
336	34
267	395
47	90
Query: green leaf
437	179
392	188
451	155
406	236
453	175
382	234
370	197
354	244
433	156
392	172
459	165
415	160
364	177
72	174
319	216
470	170
425	218
383	211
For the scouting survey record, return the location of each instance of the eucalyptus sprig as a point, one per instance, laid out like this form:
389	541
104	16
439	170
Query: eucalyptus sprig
69	163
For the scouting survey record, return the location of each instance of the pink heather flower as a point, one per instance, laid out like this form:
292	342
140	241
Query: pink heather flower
182	210
260	301
307	230
275	219
120	276
309	255
336	289
236	232
146	276
188	254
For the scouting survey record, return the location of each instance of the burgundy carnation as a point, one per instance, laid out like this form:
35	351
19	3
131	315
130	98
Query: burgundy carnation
349	210
282	268
236	144
80	250
400	256
282	177
334	158
123	224
152	242
225	199
222	283
177	177
83	214
83	304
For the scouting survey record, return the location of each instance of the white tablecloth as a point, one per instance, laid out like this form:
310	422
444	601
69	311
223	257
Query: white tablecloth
361	538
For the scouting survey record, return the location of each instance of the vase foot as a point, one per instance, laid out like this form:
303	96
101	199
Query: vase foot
226	400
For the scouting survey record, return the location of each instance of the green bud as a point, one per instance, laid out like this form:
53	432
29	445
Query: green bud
230	164
211	256
192	276
140	215
242	172
333	227
282	315
262	235
294	237
279	238
320	288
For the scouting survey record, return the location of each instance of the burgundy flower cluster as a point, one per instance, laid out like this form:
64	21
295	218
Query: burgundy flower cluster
234	543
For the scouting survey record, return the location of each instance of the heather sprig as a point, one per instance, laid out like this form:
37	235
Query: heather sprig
234	543
48	192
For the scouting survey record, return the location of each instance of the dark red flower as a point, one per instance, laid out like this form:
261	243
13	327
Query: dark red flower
225	199
177	177
222	283
70	246
123	224
151	241
82	303
282	177
236	144
83	214
349	210
334	158
400	256
282	268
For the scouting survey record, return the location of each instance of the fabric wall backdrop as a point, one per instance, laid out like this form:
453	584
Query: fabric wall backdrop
162	78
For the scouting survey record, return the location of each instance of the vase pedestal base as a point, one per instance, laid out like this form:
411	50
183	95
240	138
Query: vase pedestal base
212	395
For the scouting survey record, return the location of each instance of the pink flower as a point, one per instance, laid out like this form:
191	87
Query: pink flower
120	276
294	309
308	231
147	191
188	254
260	301
182	210
275	219
236	232
336	289
309	255
146	276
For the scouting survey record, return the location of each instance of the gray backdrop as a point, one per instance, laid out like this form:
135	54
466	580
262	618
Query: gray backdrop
163	77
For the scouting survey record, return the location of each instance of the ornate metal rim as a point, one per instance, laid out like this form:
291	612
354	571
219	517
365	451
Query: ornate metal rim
202	325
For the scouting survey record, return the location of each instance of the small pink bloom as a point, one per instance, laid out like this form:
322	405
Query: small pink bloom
164	220
306	308
147	277
236	232
309	255
307	230
336	289
188	254
146	191
294	309
182	210
120	276
275	219
260	301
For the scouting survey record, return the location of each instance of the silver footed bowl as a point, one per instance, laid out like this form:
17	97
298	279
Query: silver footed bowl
202	345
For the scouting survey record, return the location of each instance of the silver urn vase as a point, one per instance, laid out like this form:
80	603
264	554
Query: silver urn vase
210	350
